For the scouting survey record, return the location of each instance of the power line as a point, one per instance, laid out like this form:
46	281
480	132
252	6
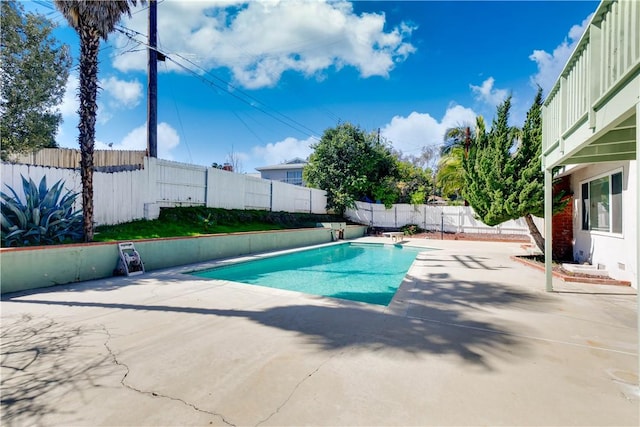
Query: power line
175	104
236	89
246	98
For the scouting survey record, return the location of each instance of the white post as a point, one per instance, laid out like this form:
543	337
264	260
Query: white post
548	218
638	224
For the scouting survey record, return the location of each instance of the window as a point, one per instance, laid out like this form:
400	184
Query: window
294	177
602	204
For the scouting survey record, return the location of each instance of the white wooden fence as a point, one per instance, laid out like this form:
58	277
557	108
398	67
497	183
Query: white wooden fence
125	196
452	219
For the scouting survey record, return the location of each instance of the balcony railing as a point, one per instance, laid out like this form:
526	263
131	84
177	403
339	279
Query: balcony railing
607	53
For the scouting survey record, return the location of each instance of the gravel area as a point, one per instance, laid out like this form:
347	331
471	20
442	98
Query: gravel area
491	237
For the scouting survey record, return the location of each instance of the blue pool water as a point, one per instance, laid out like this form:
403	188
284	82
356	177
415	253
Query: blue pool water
368	273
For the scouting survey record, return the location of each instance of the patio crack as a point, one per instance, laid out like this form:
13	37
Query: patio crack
295	388
154	393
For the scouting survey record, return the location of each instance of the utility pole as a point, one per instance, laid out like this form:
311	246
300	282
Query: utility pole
152	82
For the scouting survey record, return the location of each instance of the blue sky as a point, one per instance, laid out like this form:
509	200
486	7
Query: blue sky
264	79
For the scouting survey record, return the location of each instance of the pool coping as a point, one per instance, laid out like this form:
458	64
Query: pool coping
188	270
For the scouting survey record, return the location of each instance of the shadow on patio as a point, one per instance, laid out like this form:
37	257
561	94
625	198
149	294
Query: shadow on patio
445	324
42	360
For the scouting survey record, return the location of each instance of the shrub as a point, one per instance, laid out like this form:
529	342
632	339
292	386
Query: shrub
47	216
411	229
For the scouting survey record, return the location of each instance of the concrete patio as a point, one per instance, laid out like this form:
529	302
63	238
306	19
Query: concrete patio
471	338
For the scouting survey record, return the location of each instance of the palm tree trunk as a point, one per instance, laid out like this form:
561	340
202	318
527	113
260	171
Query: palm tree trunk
535	233
89	46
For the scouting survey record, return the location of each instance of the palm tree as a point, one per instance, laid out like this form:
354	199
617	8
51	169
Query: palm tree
458	136
450	177
92	20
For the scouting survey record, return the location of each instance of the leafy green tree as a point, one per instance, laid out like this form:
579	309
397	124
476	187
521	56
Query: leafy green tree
503	174
414	183
33	71
417	175
351	165
92	20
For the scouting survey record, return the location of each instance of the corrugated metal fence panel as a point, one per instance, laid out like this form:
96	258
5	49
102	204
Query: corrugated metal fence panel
225	189
257	193
181	183
458	219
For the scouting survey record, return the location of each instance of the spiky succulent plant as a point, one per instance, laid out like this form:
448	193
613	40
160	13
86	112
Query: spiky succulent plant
46	217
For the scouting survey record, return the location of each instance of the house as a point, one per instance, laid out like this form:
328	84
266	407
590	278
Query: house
289	172
591	137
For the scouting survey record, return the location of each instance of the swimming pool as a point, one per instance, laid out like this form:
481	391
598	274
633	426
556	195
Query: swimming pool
363	272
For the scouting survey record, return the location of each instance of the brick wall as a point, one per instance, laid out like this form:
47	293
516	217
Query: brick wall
562	223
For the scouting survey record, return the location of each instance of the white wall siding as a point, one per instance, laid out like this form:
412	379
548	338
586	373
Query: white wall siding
453	219
181	183
119	195
125	196
292	198
615	251
225	189
301	199
283	197
318	201
11	176
257	193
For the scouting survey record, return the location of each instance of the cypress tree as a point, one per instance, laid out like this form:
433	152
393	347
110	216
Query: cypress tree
503	174
527	194
488	167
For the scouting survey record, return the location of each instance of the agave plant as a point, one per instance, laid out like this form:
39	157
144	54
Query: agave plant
46	217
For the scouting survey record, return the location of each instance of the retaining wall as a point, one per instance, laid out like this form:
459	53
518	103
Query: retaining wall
43	266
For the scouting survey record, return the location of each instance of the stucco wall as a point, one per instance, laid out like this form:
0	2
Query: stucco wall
617	252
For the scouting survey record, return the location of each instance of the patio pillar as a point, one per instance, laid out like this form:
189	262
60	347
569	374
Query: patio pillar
548	230
638	225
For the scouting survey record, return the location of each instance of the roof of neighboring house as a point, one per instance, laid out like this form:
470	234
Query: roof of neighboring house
296	163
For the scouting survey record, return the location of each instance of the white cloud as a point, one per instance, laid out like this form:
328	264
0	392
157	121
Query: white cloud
116	94
488	94
123	93
104	115
281	151
69	106
168	139
409	134
550	64
260	40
